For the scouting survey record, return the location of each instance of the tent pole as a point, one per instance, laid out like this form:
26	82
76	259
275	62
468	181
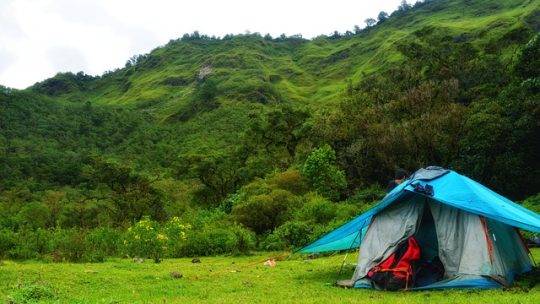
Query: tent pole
347	254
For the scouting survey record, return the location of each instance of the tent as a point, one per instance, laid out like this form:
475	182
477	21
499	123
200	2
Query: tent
471	229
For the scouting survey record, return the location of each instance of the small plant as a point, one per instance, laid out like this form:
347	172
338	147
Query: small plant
33	293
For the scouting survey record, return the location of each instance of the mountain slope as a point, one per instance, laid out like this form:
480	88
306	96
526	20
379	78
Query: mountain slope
197	97
251	68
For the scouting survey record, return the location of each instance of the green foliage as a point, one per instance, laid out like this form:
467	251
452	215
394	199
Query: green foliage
317	210
34	215
32	293
292	234
101	243
219	175
67	245
371	194
216	239
264	212
7	242
528	63
532	203
223	133
323	174
132	194
64	83
203	100
146	239
290	180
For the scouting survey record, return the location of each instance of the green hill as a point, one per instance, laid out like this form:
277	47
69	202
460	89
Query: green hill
202	121
257	69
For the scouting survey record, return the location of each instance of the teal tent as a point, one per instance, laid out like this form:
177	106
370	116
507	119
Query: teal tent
469	227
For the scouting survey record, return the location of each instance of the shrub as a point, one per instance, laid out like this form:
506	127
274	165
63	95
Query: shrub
290	180
144	239
33	293
533	203
322	173
368	195
262	213
7	242
176	234
67	245
34	215
289	235
318	210
101	243
30	244
217	239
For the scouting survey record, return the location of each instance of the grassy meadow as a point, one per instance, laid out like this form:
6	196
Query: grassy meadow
223	279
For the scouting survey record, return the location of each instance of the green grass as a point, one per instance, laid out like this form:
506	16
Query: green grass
218	280
313	72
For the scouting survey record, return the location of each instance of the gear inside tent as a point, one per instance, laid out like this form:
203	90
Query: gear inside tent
436	230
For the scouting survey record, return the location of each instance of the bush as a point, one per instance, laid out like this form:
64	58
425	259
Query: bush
263	213
34	215
532	203
370	194
318	210
30	244
289	235
176	234
212	240
67	245
34	293
101	243
323	174
7	242
290	180
144	239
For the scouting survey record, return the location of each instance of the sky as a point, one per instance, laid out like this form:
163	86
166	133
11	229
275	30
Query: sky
39	38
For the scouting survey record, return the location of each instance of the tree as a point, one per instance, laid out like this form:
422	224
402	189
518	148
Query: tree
219	175
323	174
404	6
133	194
370	22
357	29
279	129
528	62
382	16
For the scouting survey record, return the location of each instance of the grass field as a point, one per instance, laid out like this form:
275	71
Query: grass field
219	280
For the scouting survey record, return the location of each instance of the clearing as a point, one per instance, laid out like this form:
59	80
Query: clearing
229	279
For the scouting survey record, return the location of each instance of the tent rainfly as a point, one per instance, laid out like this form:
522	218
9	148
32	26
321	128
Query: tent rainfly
471	231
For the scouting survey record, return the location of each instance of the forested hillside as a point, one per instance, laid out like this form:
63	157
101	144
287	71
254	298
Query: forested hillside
249	141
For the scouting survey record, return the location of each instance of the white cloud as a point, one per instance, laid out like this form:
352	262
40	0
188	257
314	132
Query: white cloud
66	59
39	38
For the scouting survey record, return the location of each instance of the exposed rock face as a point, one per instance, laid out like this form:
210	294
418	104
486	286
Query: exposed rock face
204	71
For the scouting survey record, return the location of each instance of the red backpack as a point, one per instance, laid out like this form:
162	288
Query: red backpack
396	272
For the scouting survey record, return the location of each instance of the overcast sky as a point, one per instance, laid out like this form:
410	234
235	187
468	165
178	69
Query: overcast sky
39	38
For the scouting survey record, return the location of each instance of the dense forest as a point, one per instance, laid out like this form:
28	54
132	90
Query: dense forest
223	145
